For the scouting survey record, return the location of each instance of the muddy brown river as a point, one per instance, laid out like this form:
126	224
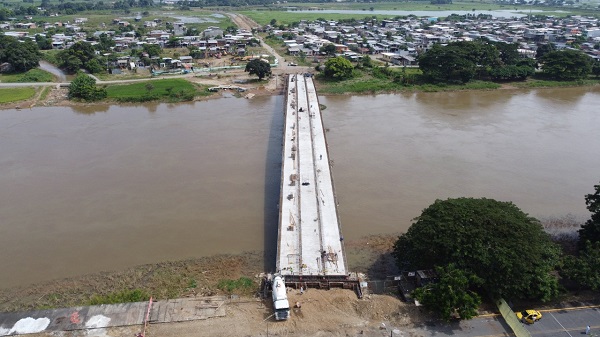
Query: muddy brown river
108	187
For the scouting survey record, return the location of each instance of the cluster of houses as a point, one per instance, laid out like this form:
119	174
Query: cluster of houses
396	41
400	41
213	41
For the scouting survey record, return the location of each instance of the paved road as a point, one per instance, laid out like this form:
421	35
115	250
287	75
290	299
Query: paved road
488	326
567	322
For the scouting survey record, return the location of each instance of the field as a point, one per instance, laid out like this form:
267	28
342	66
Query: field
33	75
103	20
175	89
286	13
16	94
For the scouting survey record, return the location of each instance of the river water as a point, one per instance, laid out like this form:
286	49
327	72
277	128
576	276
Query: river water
108	187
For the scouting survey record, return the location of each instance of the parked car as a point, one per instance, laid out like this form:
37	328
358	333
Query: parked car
293	64
529	316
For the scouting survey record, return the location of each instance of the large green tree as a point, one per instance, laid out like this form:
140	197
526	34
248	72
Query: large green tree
451	295
76	56
453	63
338	68
328	49
590	231
259	68
23	56
543	49
584	269
567	64
507	251
84	87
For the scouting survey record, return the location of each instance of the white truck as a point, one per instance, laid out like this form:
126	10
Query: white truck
280	301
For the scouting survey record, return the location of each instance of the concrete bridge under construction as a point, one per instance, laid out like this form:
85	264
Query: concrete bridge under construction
310	242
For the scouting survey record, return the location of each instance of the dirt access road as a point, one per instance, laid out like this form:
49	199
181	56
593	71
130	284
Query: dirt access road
334	313
283	67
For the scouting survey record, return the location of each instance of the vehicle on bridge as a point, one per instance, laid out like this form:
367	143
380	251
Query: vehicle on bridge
280	300
529	316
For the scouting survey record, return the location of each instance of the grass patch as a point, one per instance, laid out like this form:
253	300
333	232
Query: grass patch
241	286
33	75
174	90
364	82
15	94
537	83
263	17
50	55
123	296
44	94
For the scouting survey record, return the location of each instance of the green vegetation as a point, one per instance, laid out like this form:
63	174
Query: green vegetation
174	90
259	68
84	87
590	231
80	55
44	93
539	83
366	81
582	270
461	62
243	285
22	55
566	65
452	290
15	94
501	250
123	296
338	68
33	75
285	18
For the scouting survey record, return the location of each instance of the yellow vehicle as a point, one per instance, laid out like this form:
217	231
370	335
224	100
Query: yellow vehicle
529	316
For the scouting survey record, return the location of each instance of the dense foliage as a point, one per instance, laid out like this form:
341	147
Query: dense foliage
22	55
259	68
460	62
78	56
84	87
450	296
506	251
590	231
566	65
338	68
584	269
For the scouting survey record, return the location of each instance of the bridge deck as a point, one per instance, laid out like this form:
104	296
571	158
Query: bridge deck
310	240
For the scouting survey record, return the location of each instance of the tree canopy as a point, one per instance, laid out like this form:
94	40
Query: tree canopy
23	56
338	68
583	269
450	296
567	64
328	49
460	62
590	231
259	68
77	56
505	250
84	87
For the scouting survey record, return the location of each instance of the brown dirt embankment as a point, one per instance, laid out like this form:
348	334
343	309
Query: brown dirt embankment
195	277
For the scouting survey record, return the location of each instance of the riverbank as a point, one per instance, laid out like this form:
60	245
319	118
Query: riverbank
175	279
361	84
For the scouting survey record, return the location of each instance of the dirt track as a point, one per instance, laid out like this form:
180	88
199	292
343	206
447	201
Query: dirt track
335	313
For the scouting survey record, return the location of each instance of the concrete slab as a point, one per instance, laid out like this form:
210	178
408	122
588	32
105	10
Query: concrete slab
309	231
111	315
